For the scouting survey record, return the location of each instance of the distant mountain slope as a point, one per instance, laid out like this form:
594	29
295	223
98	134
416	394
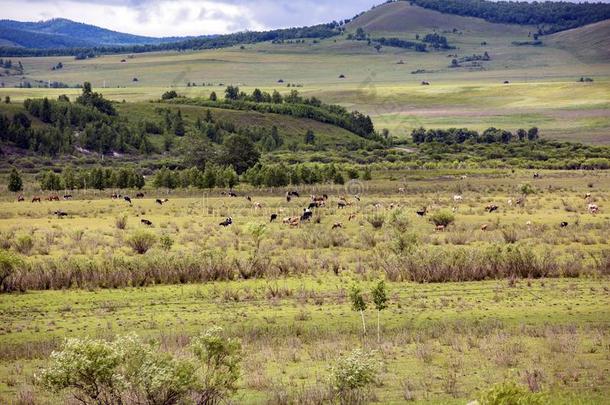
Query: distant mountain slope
590	43
62	33
403	17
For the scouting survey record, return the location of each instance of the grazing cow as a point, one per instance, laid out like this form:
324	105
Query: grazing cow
484	227
293	193
357	197
146	222
257	206
491	208
440	228
226	222
520	201
401	190
273	217
341	204
425	83
337	225
115	196
61	214
536	175
317	198
510	202
68	197
307	214
21	198
36	199
140	195
165	200
316	204
458	198
422	212
126	198
563	224
159	201
249	198
463	177
587	196
232	194
506	82
53	198
288	198
352	216
593	208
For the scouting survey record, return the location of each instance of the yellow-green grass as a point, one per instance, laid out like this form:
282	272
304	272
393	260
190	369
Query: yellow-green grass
558	327
294	327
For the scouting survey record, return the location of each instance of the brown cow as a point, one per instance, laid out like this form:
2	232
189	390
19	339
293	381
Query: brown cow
53	198
36	199
21	198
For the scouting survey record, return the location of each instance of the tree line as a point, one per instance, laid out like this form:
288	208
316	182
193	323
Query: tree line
551	16
461	135
97	178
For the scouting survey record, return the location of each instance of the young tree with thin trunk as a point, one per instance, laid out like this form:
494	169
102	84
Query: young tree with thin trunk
380	298
358	303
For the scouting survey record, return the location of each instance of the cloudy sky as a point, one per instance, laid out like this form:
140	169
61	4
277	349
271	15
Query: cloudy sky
185	17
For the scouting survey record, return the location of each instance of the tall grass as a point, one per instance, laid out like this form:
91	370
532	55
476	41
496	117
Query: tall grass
419	263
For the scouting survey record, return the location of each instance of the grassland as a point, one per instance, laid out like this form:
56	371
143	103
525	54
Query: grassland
441	343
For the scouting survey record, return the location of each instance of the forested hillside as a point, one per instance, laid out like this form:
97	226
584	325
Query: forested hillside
552	16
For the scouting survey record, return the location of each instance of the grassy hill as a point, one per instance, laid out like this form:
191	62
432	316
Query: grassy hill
405	18
590	43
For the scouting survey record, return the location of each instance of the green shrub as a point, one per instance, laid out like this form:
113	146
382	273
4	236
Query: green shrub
218	358
352	375
24	244
141	241
442	218
166	242
9	263
376	220
527	189
121	222
129	371
510	393
88	369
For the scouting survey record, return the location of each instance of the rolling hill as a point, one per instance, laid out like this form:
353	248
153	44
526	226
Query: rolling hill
63	33
402	17
590	43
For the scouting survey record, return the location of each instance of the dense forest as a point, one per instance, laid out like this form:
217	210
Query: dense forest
221	41
552	16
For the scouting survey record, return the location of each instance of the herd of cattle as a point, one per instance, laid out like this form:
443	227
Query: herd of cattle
315	202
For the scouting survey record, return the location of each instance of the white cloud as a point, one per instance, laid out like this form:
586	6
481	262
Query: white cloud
153	18
185	17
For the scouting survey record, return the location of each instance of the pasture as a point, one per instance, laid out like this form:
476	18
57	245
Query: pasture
543	90
495	296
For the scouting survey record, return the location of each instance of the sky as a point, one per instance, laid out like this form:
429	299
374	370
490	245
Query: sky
161	18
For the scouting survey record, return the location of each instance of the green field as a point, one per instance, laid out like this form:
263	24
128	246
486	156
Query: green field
441	342
496	271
